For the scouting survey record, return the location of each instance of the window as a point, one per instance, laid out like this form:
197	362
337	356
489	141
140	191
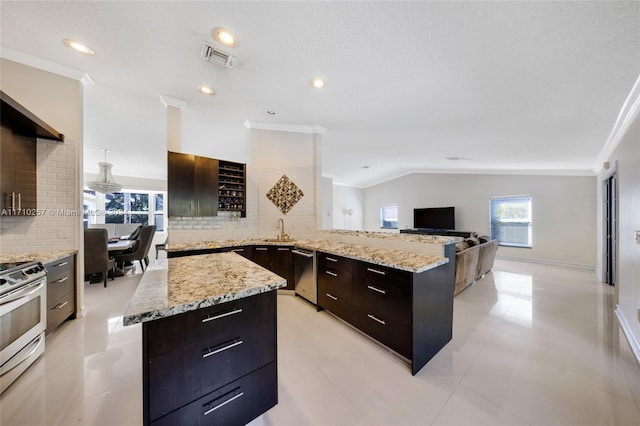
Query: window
136	207
511	221
389	217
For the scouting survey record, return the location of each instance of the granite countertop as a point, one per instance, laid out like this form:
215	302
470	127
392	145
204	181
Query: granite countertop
188	283
418	238
44	256
393	258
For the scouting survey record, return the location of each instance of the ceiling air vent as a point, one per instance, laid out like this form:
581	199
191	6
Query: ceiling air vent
216	56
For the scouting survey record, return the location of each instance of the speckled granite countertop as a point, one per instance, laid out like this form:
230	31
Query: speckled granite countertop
398	259
418	238
188	283
45	256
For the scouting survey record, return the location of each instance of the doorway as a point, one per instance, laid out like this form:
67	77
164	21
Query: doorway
610	227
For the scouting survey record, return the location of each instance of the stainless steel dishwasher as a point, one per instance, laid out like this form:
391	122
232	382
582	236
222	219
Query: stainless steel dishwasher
305	274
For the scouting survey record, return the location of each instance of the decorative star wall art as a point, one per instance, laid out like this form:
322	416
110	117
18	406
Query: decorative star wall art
284	194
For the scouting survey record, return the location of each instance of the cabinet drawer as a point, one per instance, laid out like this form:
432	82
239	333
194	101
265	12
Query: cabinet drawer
385	274
222	321
179	377
334	281
335	262
335	299
234	404
60	268
59	311
387	329
60	285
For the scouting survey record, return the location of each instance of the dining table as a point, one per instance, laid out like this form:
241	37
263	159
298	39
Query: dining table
116	247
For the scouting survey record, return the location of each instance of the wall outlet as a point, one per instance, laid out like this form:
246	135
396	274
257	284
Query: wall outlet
638	314
637	237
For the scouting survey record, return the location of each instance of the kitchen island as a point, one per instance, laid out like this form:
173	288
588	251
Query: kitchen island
209	340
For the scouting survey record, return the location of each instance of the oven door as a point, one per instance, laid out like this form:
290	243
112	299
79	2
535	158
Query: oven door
22	318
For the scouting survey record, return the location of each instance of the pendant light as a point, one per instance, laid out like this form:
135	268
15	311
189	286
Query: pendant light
105	183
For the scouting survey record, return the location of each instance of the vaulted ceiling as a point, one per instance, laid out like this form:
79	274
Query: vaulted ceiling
506	87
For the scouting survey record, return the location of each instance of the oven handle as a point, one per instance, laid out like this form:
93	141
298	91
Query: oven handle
17	360
23	291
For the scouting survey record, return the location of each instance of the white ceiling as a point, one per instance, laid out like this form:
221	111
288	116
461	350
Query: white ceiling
507	86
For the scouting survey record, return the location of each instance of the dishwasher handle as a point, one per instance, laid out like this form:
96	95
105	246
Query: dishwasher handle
302	253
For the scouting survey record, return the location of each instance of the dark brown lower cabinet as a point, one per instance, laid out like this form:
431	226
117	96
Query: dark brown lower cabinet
410	313
215	365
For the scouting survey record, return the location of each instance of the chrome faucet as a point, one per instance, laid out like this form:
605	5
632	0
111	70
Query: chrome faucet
280	225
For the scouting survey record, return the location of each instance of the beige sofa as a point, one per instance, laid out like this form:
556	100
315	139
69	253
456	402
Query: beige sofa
474	258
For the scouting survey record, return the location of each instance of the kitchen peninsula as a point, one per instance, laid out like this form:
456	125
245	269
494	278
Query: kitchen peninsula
397	289
209	340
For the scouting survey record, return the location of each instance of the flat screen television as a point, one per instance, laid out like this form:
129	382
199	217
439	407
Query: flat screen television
435	218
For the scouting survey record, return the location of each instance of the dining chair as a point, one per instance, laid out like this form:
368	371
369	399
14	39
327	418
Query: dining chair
96	253
140	250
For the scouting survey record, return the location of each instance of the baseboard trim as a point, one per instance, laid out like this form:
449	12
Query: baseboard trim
626	329
549	262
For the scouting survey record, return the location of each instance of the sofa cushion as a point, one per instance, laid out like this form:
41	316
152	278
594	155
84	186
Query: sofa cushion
473	241
462	245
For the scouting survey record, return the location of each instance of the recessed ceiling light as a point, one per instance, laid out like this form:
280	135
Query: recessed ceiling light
78	46
317	83
224	37
270	112
365	167
206	90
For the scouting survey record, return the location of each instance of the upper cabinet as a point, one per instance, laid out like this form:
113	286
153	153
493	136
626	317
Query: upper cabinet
18	183
192	185
201	186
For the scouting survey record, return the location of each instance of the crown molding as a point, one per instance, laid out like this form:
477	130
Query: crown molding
282	127
168	101
46	65
627	115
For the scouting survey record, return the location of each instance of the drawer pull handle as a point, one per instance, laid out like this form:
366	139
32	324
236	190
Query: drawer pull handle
60	264
283	249
376	271
237	250
62	305
331	296
211	351
333	274
377	319
61	280
226	314
234	394
331	259
379	290
262	248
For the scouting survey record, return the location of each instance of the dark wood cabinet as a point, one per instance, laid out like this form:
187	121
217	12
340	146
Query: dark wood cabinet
277	259
198	362
192	183
18	178
410	313
60	291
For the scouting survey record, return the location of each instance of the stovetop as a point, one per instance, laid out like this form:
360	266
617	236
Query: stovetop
10	265
14	275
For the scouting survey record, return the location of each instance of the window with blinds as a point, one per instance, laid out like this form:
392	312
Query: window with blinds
511	221
389	217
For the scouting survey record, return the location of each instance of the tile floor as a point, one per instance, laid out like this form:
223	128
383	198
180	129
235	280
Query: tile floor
533	344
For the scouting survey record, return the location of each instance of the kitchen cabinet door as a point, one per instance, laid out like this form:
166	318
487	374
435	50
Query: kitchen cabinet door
281	263
205	186
18	180
181	184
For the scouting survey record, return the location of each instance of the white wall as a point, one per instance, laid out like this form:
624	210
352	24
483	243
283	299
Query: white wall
564	213
345	198
626	158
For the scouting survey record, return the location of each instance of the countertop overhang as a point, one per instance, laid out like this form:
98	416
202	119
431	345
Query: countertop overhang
183	284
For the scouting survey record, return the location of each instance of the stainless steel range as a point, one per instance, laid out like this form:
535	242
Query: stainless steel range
23	311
